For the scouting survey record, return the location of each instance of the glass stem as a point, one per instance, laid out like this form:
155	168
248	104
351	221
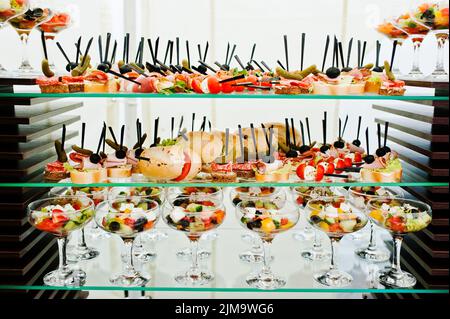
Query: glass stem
82	240
334	243
194	253
416	58
267	243
373	240
129	265
396	256
441	40
317	244
25	60
62	248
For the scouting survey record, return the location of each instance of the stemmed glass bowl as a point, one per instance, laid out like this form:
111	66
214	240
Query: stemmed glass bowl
400	217
127	218
194	216
336	218
60	216
359	197
98	194
10	9
266	220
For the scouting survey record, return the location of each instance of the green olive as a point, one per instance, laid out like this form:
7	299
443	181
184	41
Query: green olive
368	66
62	156
121	63
387	69
296	75
137	67
80	69
46	69
81	150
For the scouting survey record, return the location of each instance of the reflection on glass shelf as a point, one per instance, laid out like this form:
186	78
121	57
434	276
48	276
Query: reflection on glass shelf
230	273
419	97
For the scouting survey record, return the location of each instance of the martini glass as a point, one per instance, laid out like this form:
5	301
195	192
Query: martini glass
60	216
61	20
24	24
194	216
267	220
434	15
400	217
336	219
359	197
394	34
98	194
128	217
213	192
10	9
152	193
251	195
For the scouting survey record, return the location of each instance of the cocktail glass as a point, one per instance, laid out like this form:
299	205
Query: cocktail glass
359	197
399	216
394	34
337	219
98	194
24	24
267	220
128	217
153	193
251	195
10	9
60	216
194	216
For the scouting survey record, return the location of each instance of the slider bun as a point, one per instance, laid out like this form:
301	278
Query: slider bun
369	175
166	162
261	142
208	145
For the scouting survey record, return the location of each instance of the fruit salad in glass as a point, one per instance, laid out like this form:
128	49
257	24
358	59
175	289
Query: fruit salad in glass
11	8
336	218
60	216
59	22
153	193
194	216
266	219
399	216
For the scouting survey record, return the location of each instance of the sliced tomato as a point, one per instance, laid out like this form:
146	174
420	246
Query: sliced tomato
348	162
97	76
129	222
339	166
228	87
357	158
186	168
214	86
197	86
59	217
330	168
48	225
335	228
300	201
301	171
320	173
397	224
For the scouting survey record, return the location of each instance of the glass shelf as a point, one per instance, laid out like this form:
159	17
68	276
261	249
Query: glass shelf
225	96
229	271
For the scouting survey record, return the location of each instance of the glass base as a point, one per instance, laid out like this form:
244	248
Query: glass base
316	254
186	254
265	281
194	278
334	278
145	256
438	75
373	254
395	279
253	257
68	278
134	279
78	253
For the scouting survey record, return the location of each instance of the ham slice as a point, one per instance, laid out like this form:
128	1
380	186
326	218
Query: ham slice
380	162
113	161
87	164
355	149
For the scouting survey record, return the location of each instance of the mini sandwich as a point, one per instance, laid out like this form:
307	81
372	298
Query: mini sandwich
386	169
272	172
56	171
117	163
52	85
75	83
99	82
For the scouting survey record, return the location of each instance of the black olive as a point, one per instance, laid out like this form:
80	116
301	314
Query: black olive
125	69
138	152
184	223
346	69
339	144
103	67
333	72
324	148
316	219
236	201
38	12
140	223
387	149
180	202
304	149
291	154
121	154
369	159
95	158
380	152
103	155
377	69
70	66
357	143
250	204
202	69
114	226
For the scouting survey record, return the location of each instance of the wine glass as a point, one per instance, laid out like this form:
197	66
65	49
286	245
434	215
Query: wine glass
60	216
194	215
214	192
153	193
98	194
24	24
336	218
359	197
62	19
394	34
302	196
128	217
400	217
10	9
251	195
434	15
266	220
